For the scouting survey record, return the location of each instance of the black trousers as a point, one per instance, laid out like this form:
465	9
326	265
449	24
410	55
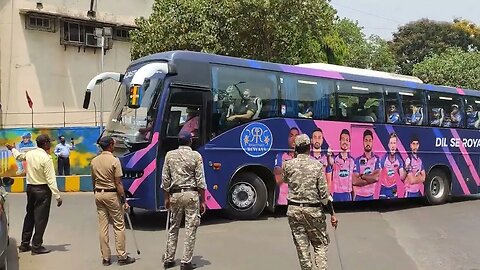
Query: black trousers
39	198
63	165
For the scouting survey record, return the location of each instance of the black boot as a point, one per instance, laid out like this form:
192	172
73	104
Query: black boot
40	250
24	248
106	262
127	260
187	266
167	265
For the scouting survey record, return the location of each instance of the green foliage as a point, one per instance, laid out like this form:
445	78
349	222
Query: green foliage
454	67
368	53
381	57
285	31
416	40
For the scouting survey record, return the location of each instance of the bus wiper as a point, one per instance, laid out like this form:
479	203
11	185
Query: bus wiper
115	132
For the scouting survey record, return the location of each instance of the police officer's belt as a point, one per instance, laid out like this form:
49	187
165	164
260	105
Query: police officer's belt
106	190
178	190
305	204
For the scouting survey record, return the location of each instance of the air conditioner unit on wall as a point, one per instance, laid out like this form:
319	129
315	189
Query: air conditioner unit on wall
92	41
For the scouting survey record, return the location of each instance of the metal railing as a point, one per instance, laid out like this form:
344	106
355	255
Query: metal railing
50	118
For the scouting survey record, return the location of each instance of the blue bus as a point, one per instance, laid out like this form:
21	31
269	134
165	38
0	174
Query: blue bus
378	135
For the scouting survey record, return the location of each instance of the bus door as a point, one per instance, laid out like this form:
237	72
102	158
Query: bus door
185	110
467	169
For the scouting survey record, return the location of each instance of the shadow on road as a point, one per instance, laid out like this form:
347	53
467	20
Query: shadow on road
199	261
156	221
384	206
12	255
61	248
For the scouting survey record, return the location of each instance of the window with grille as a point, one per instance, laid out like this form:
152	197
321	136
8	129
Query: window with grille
33	22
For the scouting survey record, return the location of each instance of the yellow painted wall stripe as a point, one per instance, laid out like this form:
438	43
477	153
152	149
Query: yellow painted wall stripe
72	183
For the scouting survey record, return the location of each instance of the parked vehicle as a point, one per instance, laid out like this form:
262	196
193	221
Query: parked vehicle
4	238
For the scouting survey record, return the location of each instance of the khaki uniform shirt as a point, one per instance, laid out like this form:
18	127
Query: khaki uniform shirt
40	169
306	180
105	167
183	168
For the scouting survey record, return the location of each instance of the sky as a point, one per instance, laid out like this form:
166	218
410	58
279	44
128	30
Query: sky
382	17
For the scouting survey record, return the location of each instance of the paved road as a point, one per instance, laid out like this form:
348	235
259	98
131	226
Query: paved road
391	235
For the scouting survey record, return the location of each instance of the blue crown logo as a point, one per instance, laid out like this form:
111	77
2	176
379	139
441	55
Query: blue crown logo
256	139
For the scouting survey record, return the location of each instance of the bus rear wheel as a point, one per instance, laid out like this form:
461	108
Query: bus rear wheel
247	197
437	187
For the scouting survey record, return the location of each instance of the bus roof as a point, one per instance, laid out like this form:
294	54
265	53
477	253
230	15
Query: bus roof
312	69
360	71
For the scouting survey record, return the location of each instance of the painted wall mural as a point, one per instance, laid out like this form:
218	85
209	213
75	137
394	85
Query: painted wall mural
85	139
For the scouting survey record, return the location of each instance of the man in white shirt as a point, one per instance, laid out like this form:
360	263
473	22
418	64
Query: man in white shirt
41	184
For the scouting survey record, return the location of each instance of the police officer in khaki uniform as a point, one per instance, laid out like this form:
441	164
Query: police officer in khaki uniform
183	182
110	201
308	198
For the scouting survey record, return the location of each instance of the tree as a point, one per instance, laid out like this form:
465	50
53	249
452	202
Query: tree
454	67
368	53
381	57
277	30
467	26
416	40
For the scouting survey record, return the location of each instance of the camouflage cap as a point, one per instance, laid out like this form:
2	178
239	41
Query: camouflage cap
302	139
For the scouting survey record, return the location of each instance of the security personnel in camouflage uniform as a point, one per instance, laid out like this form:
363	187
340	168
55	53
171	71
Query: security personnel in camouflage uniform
308	198
183	182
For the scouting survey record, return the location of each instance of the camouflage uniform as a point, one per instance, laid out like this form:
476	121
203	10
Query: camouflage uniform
183	168
307	185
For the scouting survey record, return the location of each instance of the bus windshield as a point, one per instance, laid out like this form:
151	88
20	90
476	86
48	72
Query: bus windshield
134	125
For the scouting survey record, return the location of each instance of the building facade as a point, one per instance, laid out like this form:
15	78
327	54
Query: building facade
49	49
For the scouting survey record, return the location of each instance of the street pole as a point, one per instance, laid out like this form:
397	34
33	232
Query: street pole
101	85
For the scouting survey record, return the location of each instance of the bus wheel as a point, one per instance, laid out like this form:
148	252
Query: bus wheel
437	187
247	196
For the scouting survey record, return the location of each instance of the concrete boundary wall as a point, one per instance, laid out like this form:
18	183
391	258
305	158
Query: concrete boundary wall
73	183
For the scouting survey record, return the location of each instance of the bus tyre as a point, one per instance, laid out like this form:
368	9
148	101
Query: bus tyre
247	196
437	187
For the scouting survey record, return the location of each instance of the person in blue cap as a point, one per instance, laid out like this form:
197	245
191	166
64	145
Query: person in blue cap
25	145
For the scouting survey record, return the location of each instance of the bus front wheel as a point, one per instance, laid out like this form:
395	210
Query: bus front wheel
437	187
247	196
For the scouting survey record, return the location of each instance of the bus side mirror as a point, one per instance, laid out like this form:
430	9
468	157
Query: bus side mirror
86	100
134	97
7	181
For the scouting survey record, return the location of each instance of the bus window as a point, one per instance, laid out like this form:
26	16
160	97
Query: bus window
405	106
360	102
472	112
184	118
307	97
241	95
446	110
184	113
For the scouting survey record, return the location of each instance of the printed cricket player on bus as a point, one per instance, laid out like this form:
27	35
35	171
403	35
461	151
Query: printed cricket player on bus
367	170
343	165
393	171
320	151
415	171
279	159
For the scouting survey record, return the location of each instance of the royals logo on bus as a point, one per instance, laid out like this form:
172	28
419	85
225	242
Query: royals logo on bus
256	139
